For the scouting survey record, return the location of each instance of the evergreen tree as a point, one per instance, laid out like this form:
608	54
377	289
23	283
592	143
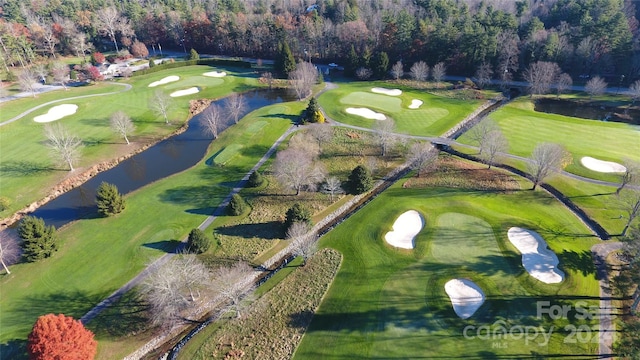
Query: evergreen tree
236	206
284	62
313	114
353	62
151	63
297	214
39	240
380	64
198	242
109	200
255	179
193	55
360	180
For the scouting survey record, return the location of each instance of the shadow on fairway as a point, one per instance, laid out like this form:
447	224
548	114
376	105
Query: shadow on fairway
24	168
269	230
165	245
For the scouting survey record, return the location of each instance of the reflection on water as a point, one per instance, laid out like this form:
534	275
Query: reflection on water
168	157
587	111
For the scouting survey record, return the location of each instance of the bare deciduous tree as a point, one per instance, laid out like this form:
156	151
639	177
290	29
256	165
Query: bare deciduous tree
176	287
545	159
322	133
630	203
304	142
60	72
303	242
110	22
363	73
332	186
80	45
634	92
480	132
540	76
211	120
64	146
397	70
297	170
40	71
563	84
630	176
422	157
233	284
384	135
268	78
494	143
121	123
438	73
234	105
160	104
419	71
483	75
27	82
595	86
9	249
303	78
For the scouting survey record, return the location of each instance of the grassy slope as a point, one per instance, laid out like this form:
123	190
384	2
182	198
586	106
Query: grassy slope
435	116
26	171
524	128
92	262
391	302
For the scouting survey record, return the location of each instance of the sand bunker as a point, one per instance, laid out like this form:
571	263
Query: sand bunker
415	104
537	259
165	80
466	297
189	91
215	74
57	113
366	113
602	166
405	229
390	92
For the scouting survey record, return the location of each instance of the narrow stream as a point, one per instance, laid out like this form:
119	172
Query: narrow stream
166	158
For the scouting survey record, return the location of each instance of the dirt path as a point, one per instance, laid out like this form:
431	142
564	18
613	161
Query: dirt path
127	87
607	311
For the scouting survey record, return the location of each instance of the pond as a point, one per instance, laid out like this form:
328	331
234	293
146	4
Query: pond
166	158
588	111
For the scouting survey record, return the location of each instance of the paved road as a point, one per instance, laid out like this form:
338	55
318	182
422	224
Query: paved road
127	87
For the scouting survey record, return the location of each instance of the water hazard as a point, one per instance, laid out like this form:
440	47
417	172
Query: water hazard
589	111
168	157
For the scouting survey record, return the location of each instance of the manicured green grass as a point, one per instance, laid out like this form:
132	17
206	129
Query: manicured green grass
524	128
92	262
392	302
27	173
435	116
227	154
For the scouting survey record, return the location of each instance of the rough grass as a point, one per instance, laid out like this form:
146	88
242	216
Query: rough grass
436	115
392	302
275	323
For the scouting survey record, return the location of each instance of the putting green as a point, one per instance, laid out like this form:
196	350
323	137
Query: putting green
227	154
195	80
376	101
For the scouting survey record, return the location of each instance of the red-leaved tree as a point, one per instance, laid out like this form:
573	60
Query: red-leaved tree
60	337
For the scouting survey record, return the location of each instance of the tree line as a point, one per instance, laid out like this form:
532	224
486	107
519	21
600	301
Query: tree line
583	37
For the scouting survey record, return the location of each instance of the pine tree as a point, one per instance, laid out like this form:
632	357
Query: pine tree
255	179
284	62
380	64
237	206
360	180
353	62
297	214
39	240
193	55
198	242
60	337
110	201
312	113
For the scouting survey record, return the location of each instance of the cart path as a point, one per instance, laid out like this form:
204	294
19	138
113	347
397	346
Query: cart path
127	87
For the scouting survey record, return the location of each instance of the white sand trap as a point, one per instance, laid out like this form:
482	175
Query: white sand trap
366	113
415	104
602	166
57	113
165	80
215	74
537	259
405	229
189	91
390	92
466	297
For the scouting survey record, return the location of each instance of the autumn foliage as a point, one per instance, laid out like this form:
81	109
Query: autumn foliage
60	337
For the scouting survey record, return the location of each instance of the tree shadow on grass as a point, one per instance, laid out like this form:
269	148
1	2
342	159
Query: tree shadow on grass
128	316
269	230
578	261
167	246
14	349
24	168
293	118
